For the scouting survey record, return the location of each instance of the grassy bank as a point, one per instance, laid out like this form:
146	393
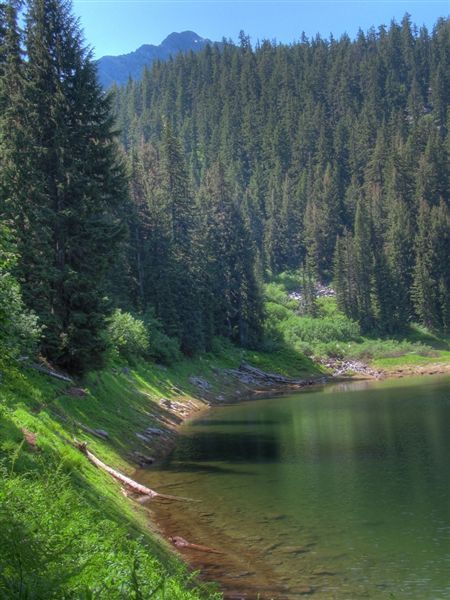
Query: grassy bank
67	531
331	335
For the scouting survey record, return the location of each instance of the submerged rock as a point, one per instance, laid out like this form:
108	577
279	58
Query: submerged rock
143	459
102	433
295	550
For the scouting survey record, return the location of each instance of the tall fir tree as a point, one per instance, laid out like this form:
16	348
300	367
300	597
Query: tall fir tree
68	187
235	293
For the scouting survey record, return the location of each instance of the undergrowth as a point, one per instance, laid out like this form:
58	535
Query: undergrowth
331	334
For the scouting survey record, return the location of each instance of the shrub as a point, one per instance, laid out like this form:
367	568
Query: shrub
127	335
162	347
19	328
274	292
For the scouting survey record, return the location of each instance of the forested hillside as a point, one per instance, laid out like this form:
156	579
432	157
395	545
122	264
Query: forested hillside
236	164
330	154
85	236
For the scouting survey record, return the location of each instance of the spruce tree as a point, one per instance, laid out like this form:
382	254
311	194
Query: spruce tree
237	303
68	229
177	201
362	247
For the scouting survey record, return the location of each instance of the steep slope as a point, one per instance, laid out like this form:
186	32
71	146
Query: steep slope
117	69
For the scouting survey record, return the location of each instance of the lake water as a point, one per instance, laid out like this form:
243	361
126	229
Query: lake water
342	492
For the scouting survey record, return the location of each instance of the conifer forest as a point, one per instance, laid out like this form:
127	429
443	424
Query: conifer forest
173	197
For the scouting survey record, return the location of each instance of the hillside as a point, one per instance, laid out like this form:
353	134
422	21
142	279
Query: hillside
335	151
283	208
69	530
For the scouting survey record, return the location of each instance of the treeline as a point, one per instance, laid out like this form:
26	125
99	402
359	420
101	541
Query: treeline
336	153
86	231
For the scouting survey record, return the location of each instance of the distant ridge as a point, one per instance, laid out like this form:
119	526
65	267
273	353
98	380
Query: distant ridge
117	69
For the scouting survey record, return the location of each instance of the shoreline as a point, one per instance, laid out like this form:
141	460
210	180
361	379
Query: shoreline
165	526
196	407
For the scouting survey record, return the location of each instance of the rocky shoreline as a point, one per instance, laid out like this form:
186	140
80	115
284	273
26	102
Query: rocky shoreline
246	383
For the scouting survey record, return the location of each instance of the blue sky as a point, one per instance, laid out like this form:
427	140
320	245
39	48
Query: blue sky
120	26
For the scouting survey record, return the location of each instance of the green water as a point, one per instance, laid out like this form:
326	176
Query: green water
342	492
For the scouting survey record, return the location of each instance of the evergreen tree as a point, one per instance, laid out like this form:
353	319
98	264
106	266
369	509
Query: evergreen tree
68	229
176	198
362	247
425	288
235	293
304	131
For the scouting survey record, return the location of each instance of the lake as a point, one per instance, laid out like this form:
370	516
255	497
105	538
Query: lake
339	492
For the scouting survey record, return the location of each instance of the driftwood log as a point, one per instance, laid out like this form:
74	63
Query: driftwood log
271	377
50	372
180	542
134	486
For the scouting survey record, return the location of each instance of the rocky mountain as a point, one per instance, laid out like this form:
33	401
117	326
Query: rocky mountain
119	68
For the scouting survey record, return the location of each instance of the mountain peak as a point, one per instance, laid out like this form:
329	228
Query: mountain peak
183	37
118	69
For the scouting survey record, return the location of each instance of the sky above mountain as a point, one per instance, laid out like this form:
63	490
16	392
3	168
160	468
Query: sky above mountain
115	27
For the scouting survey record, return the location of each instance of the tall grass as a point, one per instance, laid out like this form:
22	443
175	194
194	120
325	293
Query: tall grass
55	545
65	530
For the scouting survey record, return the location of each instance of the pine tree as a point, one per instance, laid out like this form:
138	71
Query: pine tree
176	198
68	229
237	304
362	248
425	287
400	257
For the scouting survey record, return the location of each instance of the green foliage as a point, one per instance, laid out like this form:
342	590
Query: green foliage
320	140
19	327
307	334
127	335
161	348
388	348
333	334
54	544
62	182
67	532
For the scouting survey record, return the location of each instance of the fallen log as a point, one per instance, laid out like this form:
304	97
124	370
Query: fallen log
130	483
180	542
100	433
50	372
270	377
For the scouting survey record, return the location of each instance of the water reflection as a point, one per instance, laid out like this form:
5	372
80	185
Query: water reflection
346	492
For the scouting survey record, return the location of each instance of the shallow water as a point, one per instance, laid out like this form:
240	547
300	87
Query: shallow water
341	492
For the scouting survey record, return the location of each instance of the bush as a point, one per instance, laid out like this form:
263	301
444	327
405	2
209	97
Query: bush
19	328
308	329
274	293
162	348
308	335
54	544
127	335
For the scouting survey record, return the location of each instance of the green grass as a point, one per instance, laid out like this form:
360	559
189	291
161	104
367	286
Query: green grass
67	531
332	334
412	360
